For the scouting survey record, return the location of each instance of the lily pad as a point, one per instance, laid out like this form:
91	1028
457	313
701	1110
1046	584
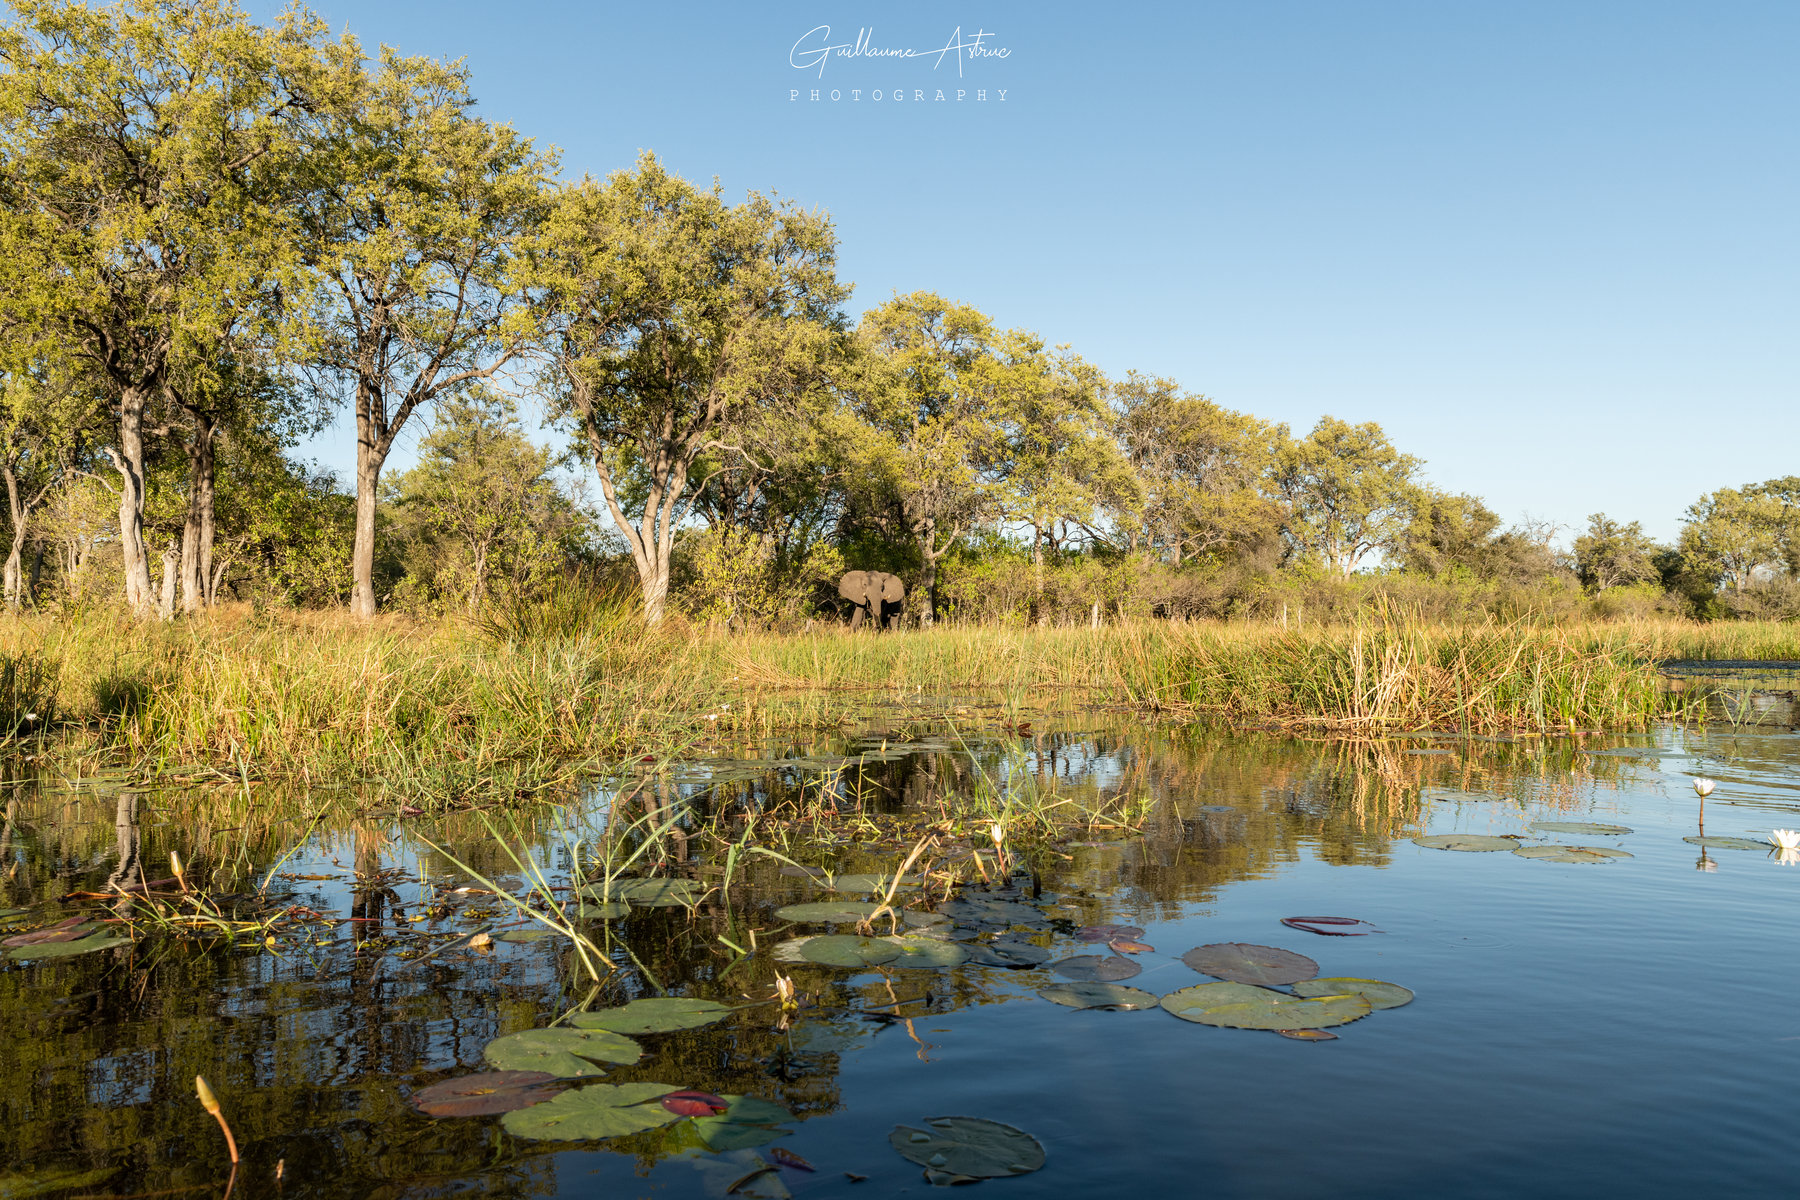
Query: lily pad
600	1110
657	893
973	1147
1006	954
1241	962
525	935
1473	842
1098	995
1378	993
86	945
1095	968
656	1014
827	912
844	950
926	952
485	1094
565	1053
1726	843
69	931
1570	854
992	914
746	1122
1108	933
1455	796
1331	926
1591	828
1241	1006
864	882
601	910
1308	1035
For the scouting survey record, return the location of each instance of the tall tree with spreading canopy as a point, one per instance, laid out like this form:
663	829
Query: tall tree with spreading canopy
1731	534
147	156
671	318
416	220
926	385
1203	470
1349	493
1613	552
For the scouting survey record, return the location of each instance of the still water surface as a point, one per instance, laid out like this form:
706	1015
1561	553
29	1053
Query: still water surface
1627	1027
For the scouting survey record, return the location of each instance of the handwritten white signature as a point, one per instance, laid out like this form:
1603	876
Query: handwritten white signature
815	46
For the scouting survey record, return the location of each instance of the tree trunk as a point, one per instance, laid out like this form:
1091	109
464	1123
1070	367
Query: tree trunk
197	531
129	461
14	560
369	458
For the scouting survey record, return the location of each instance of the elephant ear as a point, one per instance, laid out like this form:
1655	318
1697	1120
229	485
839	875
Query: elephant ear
892	590
854	586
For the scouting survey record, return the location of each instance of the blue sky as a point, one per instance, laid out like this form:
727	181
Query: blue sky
1550	247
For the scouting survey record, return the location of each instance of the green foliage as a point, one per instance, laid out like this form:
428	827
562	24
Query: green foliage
1349	492
1610	554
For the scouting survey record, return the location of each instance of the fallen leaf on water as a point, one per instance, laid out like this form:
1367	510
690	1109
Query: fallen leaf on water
694	1104
1308	1035
788	1158
1331	926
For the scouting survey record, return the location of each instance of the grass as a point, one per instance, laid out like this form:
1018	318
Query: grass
446	709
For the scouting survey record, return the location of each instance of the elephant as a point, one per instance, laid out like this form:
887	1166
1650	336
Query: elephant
876	595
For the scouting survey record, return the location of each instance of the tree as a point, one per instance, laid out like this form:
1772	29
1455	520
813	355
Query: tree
45	425
484	500
417	215
1203	470
1731	534
1610	554
670	317
925	386
1447	533
1061	461
1349	493
147	185
1786	493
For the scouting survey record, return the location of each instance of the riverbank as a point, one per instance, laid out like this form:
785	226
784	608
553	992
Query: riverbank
316	695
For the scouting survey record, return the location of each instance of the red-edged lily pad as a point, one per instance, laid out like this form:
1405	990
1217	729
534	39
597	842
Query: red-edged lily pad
71	930
485	1094
1331	926
1239	962
695	1104
1110	933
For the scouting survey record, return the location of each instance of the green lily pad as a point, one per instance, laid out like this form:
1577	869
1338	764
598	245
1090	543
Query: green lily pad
86	945
1379	994
748	1121
926	952
1241	1006
1591	828
844	950
1570	854
1098	995
658	893
1241	962
1474	842
46	1180
863	882
600	1110
565	1053
657	1014
525	935
827	912
1006	954
1726	843
993	914
601	910
1096	968
972	1147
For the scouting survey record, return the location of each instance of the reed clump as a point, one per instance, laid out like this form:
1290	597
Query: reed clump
526	697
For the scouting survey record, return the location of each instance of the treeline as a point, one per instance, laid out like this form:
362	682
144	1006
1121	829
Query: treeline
216	236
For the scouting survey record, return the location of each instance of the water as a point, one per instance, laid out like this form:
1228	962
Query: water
1615	1028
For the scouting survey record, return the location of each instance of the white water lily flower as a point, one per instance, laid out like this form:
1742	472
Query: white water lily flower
1785	839
998	833
1704	787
